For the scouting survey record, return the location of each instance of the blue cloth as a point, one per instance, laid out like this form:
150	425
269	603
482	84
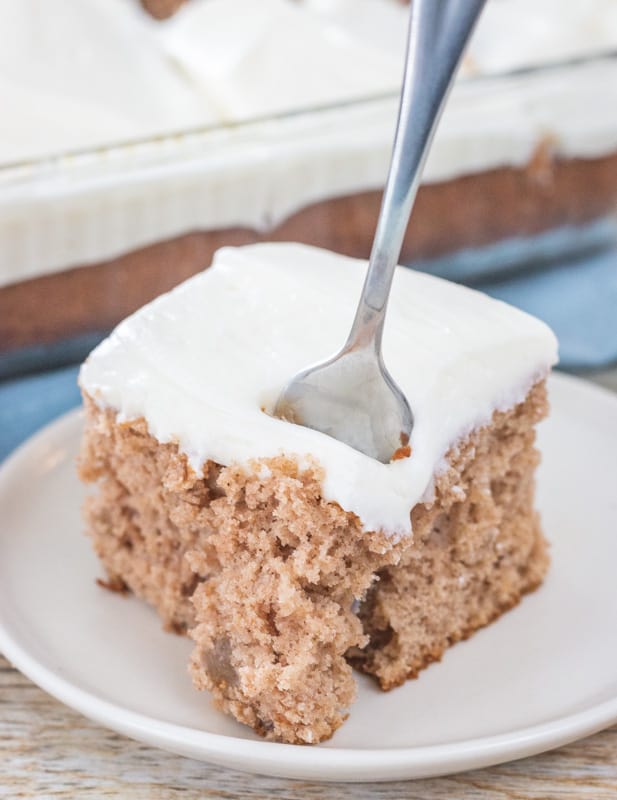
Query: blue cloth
578	301
26	404
41	357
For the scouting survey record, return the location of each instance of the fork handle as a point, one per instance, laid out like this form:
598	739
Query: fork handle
438	33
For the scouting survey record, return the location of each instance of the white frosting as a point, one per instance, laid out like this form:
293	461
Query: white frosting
271	57
218	61
201	362
229	61
511	34
79	74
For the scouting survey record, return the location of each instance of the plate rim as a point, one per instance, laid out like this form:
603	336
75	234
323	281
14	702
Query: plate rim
277	759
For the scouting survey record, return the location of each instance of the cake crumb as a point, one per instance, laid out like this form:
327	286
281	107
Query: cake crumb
401	452
114	584
540	167
161	9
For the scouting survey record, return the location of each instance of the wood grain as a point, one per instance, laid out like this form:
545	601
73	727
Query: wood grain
49	751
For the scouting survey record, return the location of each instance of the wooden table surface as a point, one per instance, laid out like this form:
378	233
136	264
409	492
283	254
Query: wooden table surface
49	751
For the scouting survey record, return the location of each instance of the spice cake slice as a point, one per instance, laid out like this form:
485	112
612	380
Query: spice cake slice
286	555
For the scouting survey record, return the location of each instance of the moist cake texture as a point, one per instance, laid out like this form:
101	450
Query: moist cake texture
259	540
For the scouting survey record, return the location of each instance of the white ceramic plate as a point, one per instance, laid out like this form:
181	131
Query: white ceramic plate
544	675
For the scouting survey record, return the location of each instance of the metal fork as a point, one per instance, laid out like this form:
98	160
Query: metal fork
352	396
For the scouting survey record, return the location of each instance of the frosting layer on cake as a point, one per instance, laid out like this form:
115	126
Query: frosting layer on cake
222	61
205	363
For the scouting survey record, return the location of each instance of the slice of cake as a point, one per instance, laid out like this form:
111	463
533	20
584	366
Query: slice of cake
286	555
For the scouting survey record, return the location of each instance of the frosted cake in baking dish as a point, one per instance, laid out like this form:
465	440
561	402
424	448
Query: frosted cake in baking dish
286	555
527	143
